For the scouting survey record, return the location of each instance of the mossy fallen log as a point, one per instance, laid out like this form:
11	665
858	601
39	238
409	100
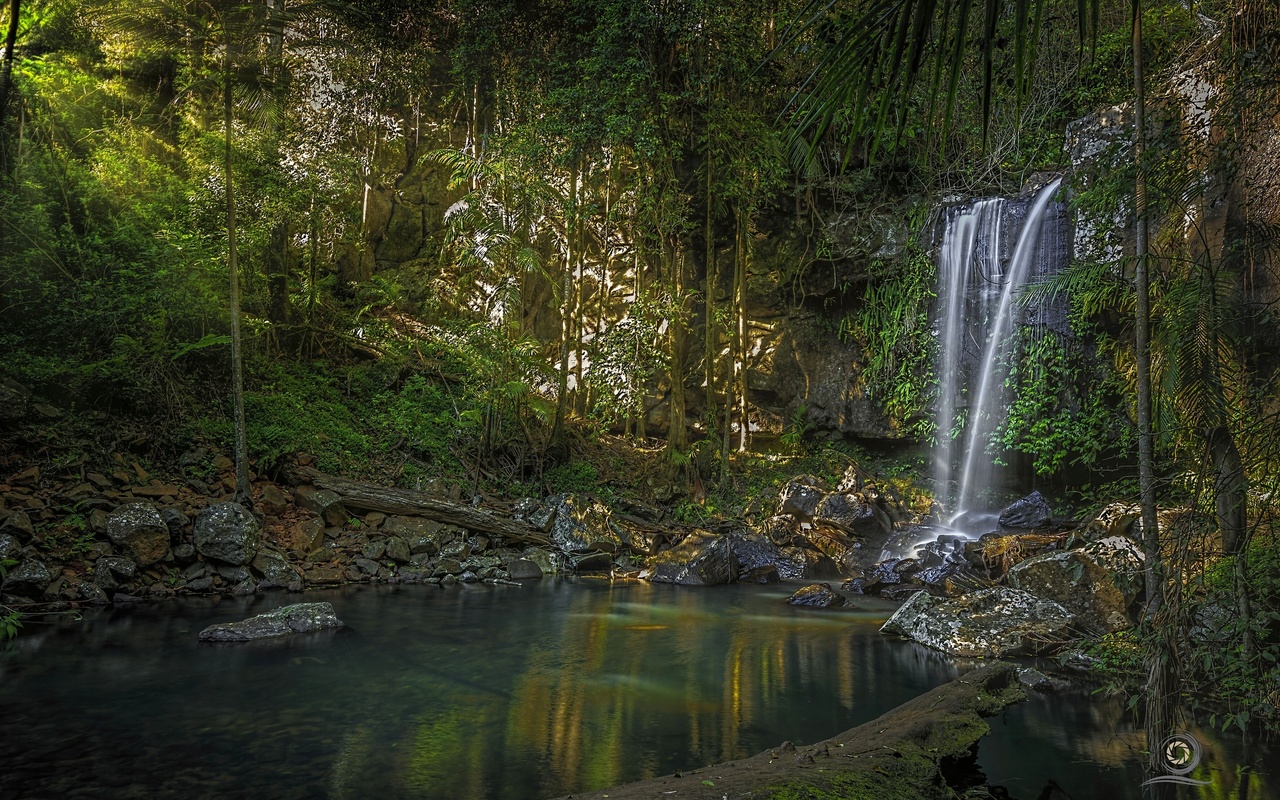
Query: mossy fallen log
924	749
371	497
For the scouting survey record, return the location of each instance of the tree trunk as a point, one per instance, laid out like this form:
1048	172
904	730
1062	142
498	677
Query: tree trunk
710	348
237	357
6	66
566	311
677	434
1161	689
740	334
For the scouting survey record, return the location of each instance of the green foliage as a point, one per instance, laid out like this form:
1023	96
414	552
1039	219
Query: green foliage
573	477
892	328
798	428
1066	409
10	620
1243	685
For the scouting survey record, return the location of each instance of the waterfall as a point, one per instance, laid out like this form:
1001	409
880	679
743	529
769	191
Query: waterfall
977	310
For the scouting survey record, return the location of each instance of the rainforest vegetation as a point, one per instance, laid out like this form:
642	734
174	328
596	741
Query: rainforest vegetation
666	253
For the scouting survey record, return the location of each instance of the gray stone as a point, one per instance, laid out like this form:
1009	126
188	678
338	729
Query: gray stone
854	514
582	525
550	562
274	501
14	400
175	520
375	549
244	588
284	621
10	548
702	559
326	504
29	579
990	623
522	569
447	566
200	585
591	562
1031	511
398	550
1033	678
409	527
18	525
1097	583
274	568
227	532
367	566
94	594
233	573
122	599
801	495
801	563
140	531
817	595
117	566
184	552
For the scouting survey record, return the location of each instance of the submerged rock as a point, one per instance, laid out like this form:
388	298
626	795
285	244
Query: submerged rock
296	618
818	595
1031	511
990	623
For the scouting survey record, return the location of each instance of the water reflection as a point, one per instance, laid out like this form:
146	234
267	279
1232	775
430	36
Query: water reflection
488	692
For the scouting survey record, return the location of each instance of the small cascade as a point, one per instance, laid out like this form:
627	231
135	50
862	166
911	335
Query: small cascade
990	250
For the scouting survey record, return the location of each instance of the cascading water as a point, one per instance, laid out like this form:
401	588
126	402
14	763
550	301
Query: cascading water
979	282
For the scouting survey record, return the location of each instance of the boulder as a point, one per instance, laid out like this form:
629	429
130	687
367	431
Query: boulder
274	501
140	531
175	520
29	579
398	550
18	525
10	548
702	559
303	537
801	495
274	568
296	618
227	532
1116	519
581	525
817	595
550	562
1031	511
833	543
326	504
990	623
522	569
1097	583
854	514
779	529
801	563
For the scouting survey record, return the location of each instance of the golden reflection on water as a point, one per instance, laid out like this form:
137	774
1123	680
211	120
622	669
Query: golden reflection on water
635	665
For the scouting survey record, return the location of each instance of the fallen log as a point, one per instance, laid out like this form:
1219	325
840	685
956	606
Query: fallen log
407	502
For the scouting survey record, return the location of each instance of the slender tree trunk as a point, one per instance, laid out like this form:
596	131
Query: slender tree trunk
1161	689
6	66
740	308
677	433
277	256
237	357
312	246
566	310
709	307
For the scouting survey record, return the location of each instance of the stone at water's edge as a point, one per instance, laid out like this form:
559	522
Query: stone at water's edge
910	753
1098	583
990	623
578	524
139	530
29	579
700	560
818	595
284	621
227	532
1031	511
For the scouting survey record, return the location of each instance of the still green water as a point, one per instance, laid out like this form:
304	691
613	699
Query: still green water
502	692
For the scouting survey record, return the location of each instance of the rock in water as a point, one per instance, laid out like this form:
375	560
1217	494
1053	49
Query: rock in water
284	621
818	595
1031	511
139	530
700	560
991	623
1097	583
227	532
